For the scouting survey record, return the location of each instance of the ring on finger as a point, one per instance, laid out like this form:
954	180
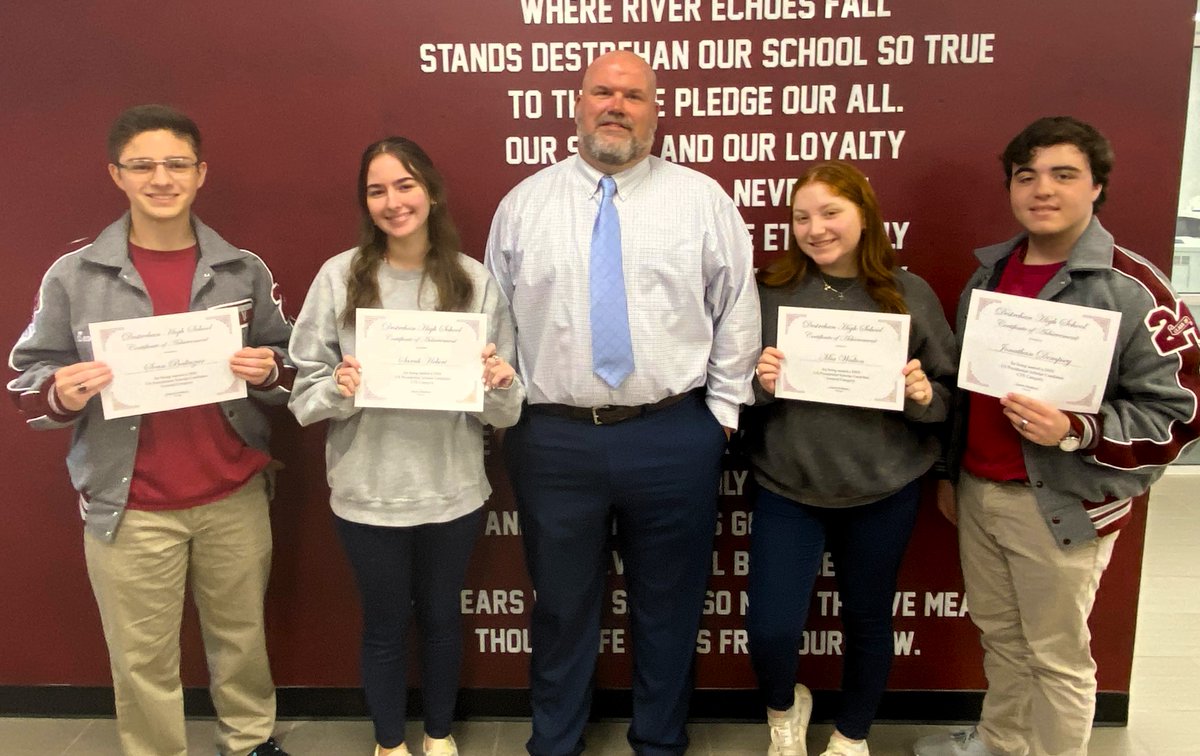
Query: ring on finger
1024	423
81	388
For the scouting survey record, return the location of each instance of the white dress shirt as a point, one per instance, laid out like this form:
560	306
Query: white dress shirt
688	264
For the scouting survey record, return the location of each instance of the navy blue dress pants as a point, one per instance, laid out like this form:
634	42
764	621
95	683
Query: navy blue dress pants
656	477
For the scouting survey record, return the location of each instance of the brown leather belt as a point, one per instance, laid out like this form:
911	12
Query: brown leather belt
610	413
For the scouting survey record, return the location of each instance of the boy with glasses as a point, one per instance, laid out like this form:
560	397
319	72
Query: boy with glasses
175	496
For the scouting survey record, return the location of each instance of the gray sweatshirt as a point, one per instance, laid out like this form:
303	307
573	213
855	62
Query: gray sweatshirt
393	467
828	455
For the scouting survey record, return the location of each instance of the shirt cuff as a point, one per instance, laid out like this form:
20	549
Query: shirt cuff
725	412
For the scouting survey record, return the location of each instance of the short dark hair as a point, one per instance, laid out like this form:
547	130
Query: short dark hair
1052	130
142	118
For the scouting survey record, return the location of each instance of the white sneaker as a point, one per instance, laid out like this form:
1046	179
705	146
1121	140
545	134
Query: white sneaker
440	746
839	746
401	750
954	743
788	731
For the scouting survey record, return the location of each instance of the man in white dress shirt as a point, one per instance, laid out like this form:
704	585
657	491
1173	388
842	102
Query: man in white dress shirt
631	283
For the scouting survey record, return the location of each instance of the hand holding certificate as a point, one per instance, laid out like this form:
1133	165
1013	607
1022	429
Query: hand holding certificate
168	361
1055	352
414	359
843	357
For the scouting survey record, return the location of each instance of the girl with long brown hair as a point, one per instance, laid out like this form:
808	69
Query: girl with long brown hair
407	486
837	477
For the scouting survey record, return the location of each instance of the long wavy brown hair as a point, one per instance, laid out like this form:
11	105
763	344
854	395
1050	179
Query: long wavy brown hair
876	258
442	265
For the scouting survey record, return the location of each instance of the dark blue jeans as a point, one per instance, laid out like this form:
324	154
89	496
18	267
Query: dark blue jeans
867	543
399	570
657	478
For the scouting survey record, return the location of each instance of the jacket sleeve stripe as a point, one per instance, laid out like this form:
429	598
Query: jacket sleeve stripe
1171	333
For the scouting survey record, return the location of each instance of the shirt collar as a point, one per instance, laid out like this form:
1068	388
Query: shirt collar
627	180
111	246
1092	251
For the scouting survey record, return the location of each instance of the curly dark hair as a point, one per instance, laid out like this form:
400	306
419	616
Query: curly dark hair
1052	130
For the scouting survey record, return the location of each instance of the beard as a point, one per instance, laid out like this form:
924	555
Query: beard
614	150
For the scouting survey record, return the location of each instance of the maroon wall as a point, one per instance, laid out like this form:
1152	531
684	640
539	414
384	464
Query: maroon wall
289	93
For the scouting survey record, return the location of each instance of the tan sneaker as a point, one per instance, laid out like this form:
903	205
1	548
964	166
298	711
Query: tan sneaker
400	750
788	731
440	746
840	746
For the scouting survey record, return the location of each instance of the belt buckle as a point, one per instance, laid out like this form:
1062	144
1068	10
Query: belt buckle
595	414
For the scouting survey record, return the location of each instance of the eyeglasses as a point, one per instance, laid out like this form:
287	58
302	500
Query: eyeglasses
178	166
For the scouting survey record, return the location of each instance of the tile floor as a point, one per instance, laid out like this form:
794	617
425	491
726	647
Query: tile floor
1165	693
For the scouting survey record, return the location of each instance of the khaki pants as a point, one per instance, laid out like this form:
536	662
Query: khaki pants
139	581
1030	600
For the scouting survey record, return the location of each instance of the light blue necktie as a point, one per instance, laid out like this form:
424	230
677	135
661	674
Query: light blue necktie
612	348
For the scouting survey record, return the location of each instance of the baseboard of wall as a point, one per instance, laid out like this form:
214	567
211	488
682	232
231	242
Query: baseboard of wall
916	706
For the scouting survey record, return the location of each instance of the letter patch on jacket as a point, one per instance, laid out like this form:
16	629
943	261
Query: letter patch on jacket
1172	330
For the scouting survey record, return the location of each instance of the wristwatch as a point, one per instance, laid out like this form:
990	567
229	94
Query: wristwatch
1069	442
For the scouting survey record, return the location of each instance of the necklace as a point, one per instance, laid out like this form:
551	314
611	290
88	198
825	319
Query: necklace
835	292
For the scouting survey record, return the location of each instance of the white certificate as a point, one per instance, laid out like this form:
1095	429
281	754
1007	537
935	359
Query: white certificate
413	359
842	357
168	361
1058	353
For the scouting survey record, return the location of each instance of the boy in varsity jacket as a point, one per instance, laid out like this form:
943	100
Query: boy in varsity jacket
175	496
1041	493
